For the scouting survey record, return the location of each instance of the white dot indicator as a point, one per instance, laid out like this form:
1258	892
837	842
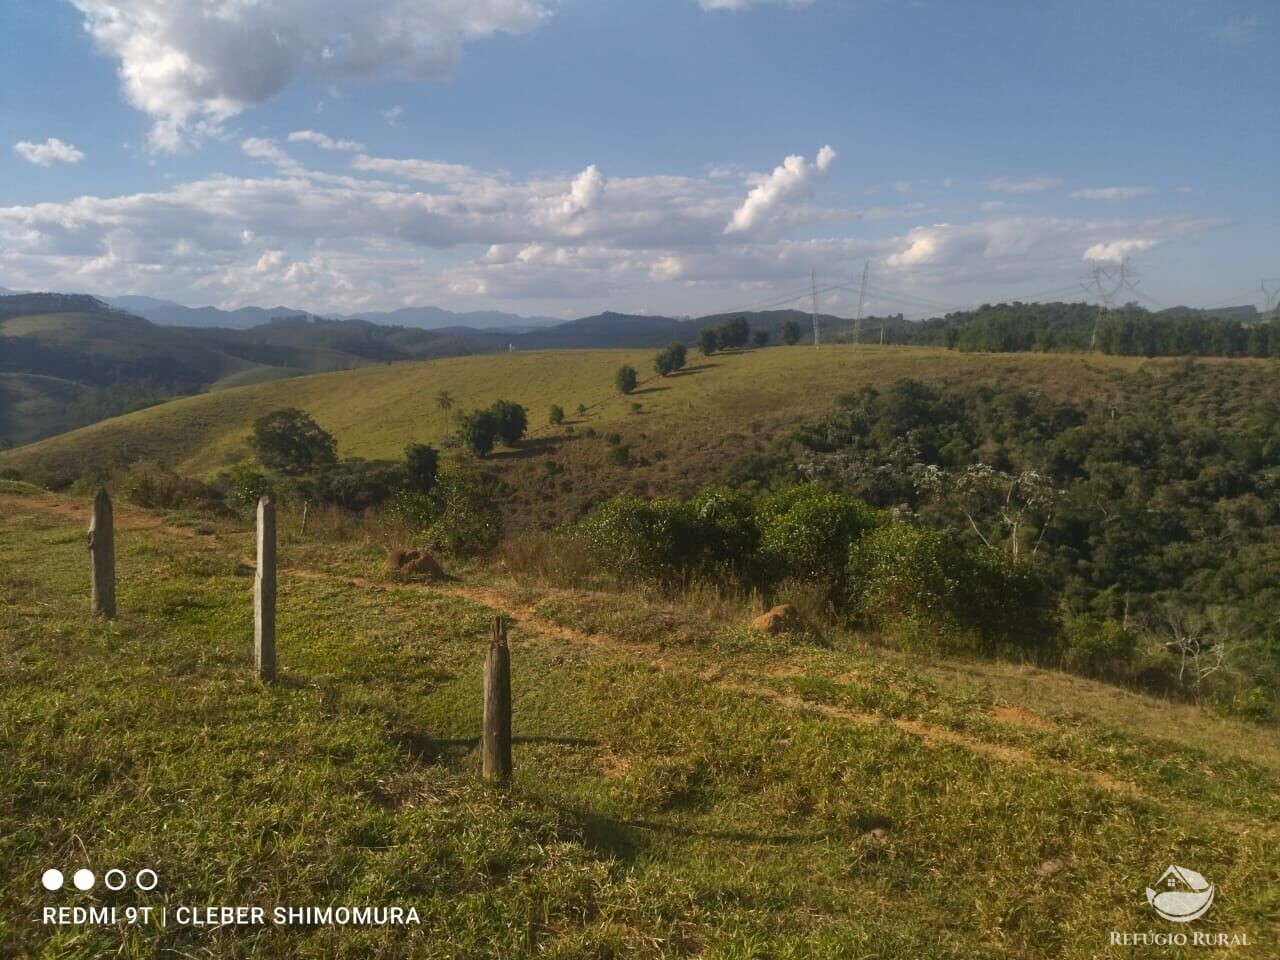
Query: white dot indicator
52	879
115	879
150	881
83	879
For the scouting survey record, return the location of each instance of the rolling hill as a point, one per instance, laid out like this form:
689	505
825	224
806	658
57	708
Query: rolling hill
686	430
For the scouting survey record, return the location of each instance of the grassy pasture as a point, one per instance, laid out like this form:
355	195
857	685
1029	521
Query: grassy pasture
684	788
684	430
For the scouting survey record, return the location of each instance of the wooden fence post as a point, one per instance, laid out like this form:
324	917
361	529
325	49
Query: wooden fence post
496	740
102	556
264	593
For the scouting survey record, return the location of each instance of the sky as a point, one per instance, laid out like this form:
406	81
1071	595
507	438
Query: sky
562	157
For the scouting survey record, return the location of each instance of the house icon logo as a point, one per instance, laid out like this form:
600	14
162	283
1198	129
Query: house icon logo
1181	895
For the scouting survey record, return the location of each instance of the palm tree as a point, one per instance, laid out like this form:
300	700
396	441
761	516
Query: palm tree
444	403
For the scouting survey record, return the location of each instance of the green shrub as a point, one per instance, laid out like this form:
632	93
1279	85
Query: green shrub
922	588
556	415
421	467
354	484
727	534
411	510
626	379
670	359
244	484
1100	648
468	521
618	455
152	486
903	579
637	539
805	533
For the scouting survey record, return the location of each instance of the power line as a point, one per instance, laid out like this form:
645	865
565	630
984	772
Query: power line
862	300
813	285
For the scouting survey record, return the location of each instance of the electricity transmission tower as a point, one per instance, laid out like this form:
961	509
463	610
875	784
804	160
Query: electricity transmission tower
1270	290
862	300
1105	282
813	286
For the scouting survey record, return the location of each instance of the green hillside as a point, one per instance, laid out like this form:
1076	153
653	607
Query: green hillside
32	406
684	787
690	424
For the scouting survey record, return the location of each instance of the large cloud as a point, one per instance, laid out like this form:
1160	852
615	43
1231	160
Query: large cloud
793	180
198	62
386	231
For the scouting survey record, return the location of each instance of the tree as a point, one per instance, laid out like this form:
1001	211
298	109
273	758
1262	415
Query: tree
556	415
478	430
670	360
707	341
444	403
760	338
421	467
510	421
734	332
291	442
790	333
625	379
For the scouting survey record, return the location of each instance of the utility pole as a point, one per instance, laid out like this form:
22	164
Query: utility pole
813	285
862	300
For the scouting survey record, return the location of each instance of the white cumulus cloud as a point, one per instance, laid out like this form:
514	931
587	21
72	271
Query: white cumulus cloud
195	63
1023	185
48	153
324	141
793	180
1112	193
1114	251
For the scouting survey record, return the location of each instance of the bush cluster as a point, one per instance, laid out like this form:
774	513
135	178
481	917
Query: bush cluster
908	582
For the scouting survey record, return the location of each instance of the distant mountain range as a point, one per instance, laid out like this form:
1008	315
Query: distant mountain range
173	314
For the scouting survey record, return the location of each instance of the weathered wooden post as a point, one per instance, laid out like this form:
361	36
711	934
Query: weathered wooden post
495	743
102	556
264	593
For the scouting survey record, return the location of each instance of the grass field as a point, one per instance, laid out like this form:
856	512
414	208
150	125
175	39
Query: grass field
684	787
684	430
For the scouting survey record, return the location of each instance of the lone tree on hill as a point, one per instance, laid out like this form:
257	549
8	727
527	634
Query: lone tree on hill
625	379
670	360
510	421
478	430
707	341
760	338
444	403
556	415
291	442
734	332
790	333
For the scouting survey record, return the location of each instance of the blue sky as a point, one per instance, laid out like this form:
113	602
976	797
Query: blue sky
670	156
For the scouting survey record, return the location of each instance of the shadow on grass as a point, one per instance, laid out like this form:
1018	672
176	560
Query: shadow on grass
529	448
627	839
641	392
428	749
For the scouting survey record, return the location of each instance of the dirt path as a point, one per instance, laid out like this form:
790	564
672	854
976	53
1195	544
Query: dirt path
72	512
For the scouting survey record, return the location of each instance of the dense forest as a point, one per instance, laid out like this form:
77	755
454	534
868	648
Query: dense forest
1130	330
1157	508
